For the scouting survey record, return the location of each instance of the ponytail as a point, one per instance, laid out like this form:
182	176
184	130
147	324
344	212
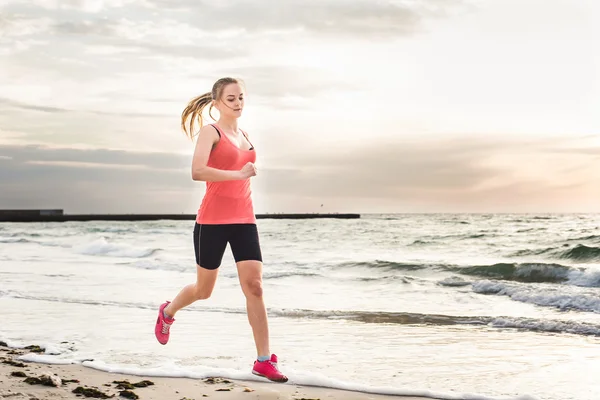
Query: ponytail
196	106
194	110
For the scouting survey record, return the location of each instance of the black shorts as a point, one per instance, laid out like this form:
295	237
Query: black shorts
210	242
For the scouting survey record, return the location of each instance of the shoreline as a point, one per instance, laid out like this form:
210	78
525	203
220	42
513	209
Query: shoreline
35	217
25	380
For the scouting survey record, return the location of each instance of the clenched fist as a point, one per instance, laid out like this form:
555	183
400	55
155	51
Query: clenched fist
248	170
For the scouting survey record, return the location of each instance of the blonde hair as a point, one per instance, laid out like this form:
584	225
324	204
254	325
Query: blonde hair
193	111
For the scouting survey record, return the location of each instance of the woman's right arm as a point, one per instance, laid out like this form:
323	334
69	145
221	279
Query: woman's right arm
207	137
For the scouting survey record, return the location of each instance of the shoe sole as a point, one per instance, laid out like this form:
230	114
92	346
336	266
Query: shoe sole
280	380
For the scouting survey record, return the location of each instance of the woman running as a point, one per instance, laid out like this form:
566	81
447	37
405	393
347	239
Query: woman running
224	158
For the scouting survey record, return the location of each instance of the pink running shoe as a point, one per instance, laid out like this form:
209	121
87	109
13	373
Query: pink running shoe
163	324
268	369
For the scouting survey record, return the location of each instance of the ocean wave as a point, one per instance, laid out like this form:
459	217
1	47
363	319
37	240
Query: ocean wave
101	247
466	236
420	242
153	264
289	274
595	238
150	264
15	240
533	273
532	252
18	239
587	303
525	272
24	233
582	253
407	318
387	278
453	281
549	326
546	297
112	229
90	302
529	272
382	264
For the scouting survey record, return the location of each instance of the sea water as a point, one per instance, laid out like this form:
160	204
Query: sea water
468	306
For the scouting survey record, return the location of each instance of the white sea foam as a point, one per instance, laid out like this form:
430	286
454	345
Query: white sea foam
549	297
46	359
295	378
573	327
589	277
171	370
101	247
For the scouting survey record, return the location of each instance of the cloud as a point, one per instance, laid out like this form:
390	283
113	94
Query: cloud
98	53
31	107
357	18
88	6
273	82
94	180
37	153
7	103
386	169
127	33
455	174
14	25
447	175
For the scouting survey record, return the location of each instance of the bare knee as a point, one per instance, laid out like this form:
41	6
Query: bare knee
253	288
202	293
205	282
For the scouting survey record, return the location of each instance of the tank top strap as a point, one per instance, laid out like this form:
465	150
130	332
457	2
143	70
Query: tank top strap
248	139
217	129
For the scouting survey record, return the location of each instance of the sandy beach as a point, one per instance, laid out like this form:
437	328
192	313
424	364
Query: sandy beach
18	382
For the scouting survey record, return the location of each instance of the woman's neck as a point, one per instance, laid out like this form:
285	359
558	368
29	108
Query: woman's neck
228	125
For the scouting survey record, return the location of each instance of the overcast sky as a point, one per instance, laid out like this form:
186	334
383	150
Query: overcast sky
362	106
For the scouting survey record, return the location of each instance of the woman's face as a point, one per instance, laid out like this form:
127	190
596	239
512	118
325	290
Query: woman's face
231	102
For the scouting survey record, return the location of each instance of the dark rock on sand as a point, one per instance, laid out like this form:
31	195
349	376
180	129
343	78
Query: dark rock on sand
129	394
44	380
216	380
18	374
144	383
89	392
35	349
130	386
124	385
14	363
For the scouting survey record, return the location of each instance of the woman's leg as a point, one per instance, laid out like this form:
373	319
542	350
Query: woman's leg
246	250
250	275
200	290
210	242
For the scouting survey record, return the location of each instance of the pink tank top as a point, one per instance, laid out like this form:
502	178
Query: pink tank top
227	202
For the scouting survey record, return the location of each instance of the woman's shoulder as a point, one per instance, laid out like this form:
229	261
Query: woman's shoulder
210	129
